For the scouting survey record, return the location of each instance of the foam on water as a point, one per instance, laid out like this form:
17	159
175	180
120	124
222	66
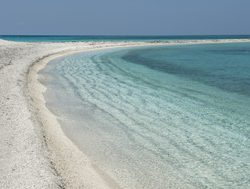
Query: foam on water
158	117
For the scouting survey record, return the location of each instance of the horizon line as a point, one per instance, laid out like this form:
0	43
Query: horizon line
119	35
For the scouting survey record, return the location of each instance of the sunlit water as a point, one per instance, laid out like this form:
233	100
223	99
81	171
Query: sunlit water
158	117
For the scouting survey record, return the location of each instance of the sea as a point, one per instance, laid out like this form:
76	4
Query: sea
157	117
91	38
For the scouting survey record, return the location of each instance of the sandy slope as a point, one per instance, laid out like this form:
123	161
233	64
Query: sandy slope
25	161
34	152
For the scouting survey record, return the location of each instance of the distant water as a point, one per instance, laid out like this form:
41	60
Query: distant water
158	117
48	38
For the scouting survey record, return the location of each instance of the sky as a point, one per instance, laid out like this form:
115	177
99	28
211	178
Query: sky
124	17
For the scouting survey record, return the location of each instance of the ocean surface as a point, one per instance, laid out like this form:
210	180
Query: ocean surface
158	117
75	38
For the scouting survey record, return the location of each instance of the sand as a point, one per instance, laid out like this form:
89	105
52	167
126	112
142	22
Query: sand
34	152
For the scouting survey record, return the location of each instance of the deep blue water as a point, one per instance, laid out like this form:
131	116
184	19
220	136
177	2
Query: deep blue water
47	38
158	117
224	66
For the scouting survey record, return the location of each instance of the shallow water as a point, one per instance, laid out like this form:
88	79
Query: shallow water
158	117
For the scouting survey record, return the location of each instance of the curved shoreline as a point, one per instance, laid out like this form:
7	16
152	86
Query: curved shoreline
71	164
66	169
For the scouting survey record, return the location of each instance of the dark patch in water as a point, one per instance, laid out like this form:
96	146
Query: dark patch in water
217	75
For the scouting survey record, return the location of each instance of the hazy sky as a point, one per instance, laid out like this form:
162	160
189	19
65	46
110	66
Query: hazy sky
124	17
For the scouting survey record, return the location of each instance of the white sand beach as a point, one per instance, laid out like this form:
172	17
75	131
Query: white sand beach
34	152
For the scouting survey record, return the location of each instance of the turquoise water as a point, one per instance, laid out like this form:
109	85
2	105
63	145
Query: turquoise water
48	38
158	117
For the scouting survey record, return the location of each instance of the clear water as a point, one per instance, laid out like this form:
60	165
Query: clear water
158	117
48	38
